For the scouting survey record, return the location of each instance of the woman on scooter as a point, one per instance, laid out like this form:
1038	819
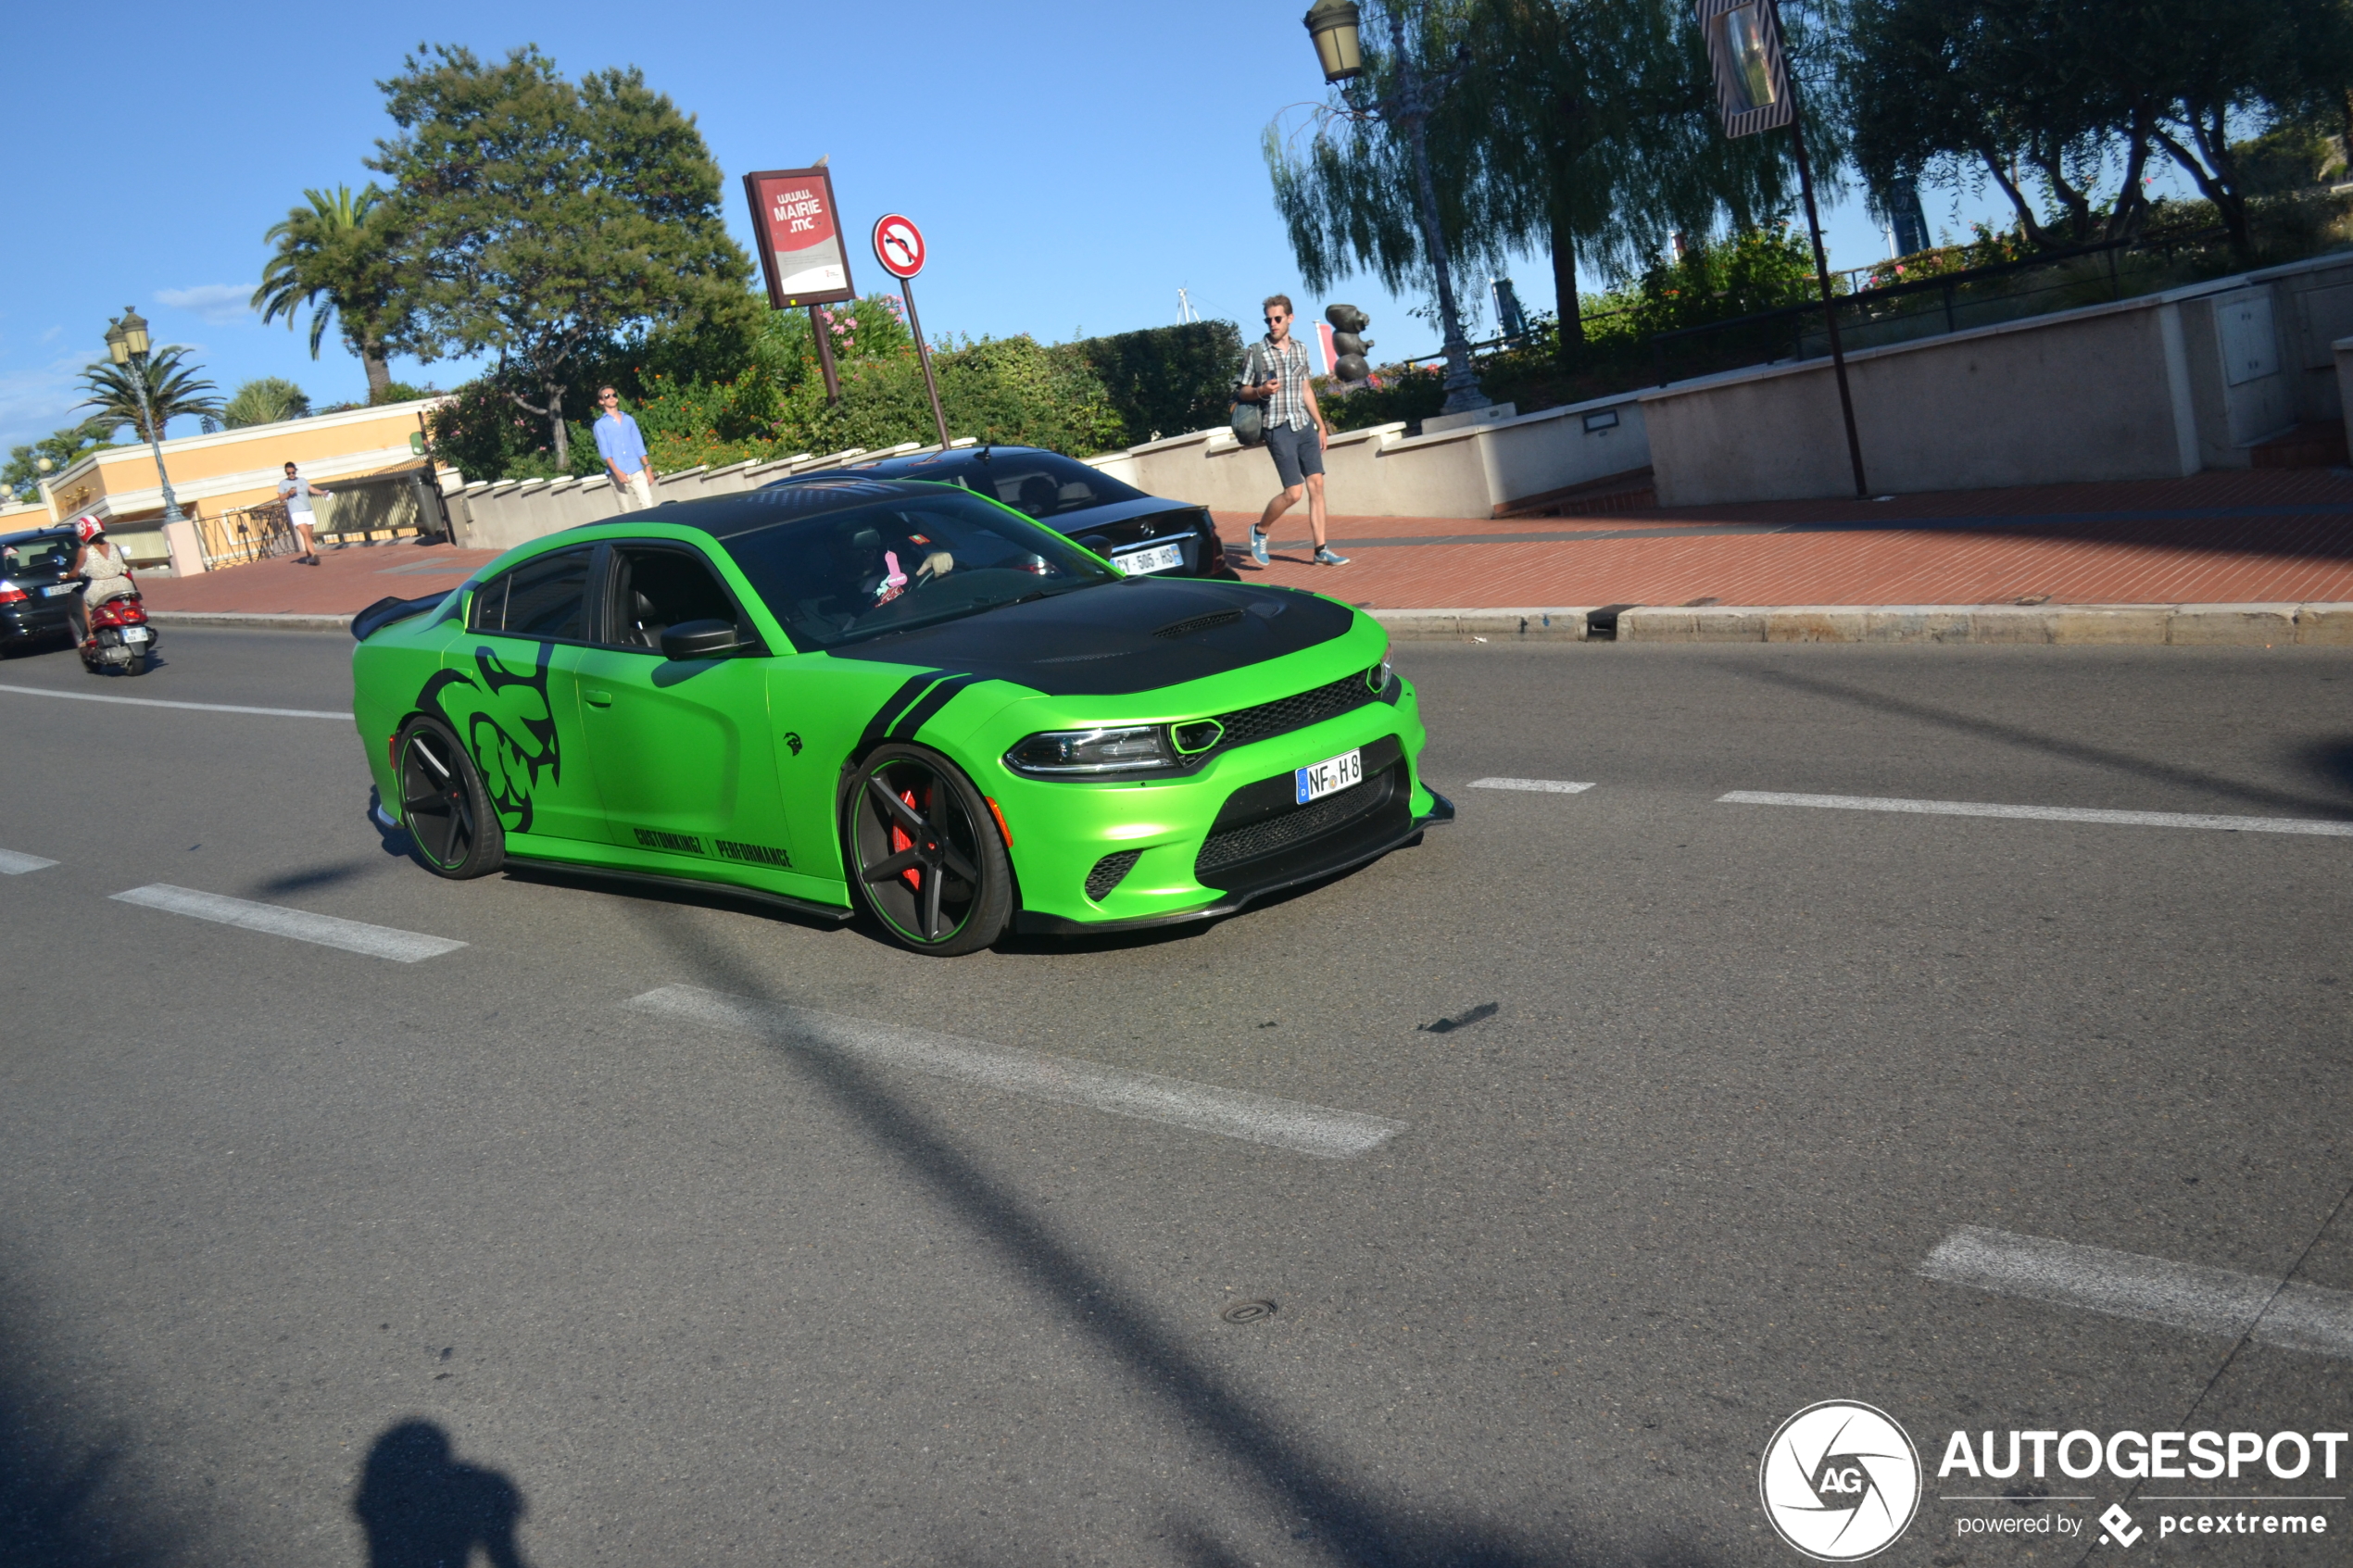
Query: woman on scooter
107	572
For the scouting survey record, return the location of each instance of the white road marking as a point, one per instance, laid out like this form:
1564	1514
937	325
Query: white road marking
1262	1119
1546	786
15	864
2042	813
327	931
2221	1302
200	706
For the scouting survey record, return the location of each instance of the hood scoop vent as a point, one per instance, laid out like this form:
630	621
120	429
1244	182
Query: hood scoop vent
1191	624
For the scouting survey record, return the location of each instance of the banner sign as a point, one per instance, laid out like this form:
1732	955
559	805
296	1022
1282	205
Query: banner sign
798	229
1751	78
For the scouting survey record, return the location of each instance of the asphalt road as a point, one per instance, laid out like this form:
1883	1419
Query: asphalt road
675	1293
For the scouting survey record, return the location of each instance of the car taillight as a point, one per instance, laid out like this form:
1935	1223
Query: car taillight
10	594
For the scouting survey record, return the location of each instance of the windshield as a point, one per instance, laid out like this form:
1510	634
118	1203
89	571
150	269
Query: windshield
47	555
1042	484
849	575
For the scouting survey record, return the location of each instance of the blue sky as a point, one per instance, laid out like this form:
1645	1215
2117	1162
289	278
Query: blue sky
1071	166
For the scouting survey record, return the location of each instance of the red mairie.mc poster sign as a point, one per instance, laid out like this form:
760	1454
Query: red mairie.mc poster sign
799	237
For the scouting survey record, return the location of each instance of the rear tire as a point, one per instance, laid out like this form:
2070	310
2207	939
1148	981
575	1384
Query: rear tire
138	664
443	806
923	854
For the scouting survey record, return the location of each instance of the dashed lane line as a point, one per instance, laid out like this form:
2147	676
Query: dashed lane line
1542	786
15	864
2042	813
2220	1303
198	706
327	931
1204	1108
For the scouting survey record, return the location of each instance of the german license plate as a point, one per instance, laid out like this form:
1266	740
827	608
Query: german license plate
1331	776
58	591
1159	558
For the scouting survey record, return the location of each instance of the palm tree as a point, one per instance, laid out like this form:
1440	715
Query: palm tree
172	389
264	401
336	256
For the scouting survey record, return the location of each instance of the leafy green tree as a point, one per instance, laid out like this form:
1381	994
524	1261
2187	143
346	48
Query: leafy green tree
22	477
173	389
545	219
263	401
339	256
1585	128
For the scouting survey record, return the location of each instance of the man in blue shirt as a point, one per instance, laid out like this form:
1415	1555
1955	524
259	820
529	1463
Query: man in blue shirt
624	449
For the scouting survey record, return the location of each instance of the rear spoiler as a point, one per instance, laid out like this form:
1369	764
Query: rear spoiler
384	612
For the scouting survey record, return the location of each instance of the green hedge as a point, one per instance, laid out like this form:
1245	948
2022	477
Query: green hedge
1165	381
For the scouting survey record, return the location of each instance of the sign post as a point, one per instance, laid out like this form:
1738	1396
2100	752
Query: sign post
798	231
1753	93
899	246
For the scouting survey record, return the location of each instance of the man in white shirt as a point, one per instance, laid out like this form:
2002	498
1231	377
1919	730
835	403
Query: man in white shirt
297	491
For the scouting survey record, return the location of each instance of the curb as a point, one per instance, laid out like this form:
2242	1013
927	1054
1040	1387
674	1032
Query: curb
2179	625
246	620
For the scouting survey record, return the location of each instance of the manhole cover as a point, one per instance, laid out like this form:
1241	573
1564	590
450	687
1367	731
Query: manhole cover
1248	1312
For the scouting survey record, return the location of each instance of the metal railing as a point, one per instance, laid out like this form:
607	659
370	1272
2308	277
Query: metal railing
244	533
1924	307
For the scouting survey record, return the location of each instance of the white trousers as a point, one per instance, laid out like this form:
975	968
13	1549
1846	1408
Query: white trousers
640	487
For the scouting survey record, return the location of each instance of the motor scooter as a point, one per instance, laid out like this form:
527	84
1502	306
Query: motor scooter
119	637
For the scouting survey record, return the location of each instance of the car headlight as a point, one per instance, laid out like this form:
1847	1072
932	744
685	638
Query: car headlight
1377	676
1131	748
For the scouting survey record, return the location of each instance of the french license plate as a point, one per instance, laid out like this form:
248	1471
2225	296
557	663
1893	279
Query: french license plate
58	591
1331	776
136	634
1159	558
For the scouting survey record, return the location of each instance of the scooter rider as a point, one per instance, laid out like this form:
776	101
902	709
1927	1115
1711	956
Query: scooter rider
105	570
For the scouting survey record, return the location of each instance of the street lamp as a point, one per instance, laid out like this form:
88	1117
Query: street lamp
1333	26
127	343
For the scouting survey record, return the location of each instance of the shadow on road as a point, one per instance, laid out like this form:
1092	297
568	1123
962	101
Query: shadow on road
421	1508
2082	751
1294	1482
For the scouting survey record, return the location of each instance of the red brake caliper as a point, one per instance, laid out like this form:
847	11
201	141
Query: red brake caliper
899	843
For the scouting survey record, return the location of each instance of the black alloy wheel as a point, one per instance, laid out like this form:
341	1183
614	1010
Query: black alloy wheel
444	805
928	860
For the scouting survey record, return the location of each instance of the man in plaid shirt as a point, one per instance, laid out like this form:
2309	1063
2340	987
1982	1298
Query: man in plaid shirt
1295	429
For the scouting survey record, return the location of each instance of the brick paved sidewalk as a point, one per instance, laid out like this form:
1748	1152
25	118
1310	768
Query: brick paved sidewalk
2253	536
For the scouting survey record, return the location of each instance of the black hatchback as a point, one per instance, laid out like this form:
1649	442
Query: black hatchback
1143	535
36	585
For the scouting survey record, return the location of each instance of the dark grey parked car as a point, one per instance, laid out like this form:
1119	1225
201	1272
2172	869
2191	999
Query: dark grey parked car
1143	535
36	585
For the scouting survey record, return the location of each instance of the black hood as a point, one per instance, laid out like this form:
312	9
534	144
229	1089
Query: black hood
1131	636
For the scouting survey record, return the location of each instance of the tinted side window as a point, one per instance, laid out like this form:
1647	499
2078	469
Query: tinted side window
656	589
547	598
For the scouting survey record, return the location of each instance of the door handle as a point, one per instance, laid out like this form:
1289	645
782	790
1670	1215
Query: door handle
599	699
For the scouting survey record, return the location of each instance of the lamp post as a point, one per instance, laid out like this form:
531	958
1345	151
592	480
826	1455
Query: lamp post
1333	24
127	343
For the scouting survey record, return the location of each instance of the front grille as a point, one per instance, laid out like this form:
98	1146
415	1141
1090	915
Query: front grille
1110	872
1270	835
1247	725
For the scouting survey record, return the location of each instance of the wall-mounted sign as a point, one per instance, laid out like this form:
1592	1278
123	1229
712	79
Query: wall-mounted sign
1751	78
798	231
899	246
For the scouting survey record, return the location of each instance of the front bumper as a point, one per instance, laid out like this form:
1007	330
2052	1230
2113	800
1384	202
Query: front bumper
1116	857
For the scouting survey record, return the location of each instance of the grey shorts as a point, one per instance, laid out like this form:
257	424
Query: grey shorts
1296	451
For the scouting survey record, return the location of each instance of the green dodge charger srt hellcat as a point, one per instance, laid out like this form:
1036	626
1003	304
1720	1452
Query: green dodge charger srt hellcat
891	695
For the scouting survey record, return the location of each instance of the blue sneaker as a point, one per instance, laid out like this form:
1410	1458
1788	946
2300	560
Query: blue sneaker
1326	557
1258	546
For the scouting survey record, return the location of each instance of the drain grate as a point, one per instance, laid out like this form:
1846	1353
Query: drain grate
1248	1312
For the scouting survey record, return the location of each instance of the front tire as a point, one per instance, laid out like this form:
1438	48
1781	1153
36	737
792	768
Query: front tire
924	853
444	805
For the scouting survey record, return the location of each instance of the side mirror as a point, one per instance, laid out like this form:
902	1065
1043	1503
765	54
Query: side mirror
701	639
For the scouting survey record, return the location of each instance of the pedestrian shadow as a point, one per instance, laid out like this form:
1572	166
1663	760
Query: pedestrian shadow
421	1508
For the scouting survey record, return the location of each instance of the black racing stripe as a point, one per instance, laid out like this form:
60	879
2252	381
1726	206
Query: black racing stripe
934	700
880	725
